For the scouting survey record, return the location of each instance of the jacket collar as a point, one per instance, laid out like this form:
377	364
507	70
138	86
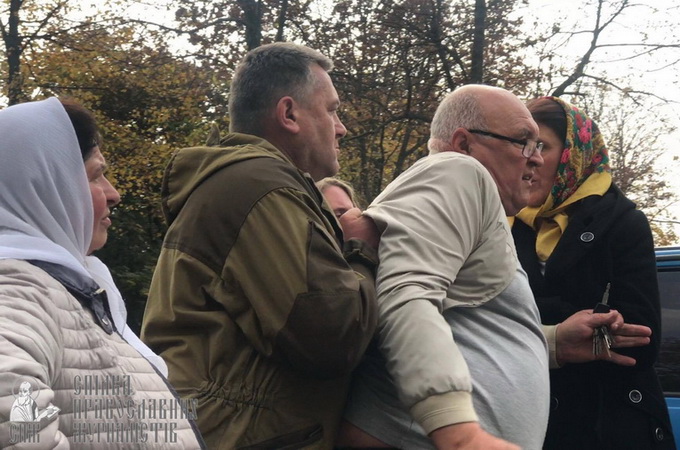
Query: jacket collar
88	293
588	227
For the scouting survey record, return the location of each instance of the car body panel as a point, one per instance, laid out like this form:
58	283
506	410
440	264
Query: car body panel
668	366
674	411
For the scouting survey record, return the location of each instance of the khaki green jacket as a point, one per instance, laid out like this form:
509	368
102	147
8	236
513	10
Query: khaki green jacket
253	305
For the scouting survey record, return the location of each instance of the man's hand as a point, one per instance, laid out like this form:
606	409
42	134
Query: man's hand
468	436
574	337
357	226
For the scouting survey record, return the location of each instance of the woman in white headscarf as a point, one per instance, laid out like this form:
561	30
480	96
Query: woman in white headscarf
62	320
89	141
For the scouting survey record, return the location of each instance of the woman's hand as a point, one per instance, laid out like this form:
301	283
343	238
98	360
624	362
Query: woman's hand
574	337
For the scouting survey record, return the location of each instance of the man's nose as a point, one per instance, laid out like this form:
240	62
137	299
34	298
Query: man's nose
340	130
536	159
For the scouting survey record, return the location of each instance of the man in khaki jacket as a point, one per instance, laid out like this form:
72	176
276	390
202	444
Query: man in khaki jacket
259	305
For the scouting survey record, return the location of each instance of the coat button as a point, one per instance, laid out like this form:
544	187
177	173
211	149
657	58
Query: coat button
658	434
587	236
554	403
635	396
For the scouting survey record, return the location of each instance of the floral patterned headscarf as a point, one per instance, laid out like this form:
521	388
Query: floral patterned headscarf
583	171
584	154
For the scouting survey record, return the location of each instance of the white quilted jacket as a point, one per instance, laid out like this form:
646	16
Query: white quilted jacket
109	396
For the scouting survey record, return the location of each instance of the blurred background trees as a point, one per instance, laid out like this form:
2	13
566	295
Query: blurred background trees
157	76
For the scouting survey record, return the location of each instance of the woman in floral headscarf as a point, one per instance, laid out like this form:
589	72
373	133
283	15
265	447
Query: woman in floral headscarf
578	236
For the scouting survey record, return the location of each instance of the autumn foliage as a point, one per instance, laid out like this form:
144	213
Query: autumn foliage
395	60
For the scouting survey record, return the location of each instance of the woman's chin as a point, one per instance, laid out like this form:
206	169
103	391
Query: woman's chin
96	244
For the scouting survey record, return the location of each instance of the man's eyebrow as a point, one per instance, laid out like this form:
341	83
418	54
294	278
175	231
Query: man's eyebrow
525	133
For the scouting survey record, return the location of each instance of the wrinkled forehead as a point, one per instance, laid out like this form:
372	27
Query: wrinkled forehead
507	114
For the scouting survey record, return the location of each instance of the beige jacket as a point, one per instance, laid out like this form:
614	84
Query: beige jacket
460	254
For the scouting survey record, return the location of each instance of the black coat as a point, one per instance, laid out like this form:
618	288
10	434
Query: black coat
599	404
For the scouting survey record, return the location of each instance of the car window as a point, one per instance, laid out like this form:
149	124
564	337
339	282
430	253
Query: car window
668	366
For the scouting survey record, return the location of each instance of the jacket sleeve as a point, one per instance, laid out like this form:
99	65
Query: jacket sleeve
29	349
550	333
297	298
634	284
430	224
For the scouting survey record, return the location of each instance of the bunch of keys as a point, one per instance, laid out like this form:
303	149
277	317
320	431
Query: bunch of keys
602	339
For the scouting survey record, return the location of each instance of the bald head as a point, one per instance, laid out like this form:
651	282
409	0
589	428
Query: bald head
493	126
472	107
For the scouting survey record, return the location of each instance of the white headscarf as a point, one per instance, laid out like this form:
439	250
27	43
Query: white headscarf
45	204
46	211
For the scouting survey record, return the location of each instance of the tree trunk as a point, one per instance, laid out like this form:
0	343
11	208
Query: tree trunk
477	72
252	12
14	48
281	22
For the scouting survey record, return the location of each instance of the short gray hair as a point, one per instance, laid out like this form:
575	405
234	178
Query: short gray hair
264	76
459	109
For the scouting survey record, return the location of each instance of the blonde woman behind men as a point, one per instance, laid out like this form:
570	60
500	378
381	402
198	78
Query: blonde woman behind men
339	195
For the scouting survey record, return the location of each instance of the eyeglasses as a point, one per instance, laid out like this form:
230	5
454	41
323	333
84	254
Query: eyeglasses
529	148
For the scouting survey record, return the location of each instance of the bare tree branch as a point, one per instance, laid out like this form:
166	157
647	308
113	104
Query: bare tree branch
181	31
585	59
628	91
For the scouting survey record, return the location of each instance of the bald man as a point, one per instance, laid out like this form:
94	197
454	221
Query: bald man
461	354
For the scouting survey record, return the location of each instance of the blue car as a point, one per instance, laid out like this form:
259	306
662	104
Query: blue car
668	366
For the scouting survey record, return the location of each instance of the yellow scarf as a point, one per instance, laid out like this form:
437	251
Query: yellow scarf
551	223
583	171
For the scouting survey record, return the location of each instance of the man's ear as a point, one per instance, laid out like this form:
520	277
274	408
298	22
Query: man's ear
286	114
460	141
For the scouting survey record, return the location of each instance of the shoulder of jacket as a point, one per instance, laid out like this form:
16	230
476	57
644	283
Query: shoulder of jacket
450	168
28	274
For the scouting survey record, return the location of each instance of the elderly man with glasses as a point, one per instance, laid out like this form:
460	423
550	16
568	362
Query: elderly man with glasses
461	359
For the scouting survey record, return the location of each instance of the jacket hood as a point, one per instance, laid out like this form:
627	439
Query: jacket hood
189	167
